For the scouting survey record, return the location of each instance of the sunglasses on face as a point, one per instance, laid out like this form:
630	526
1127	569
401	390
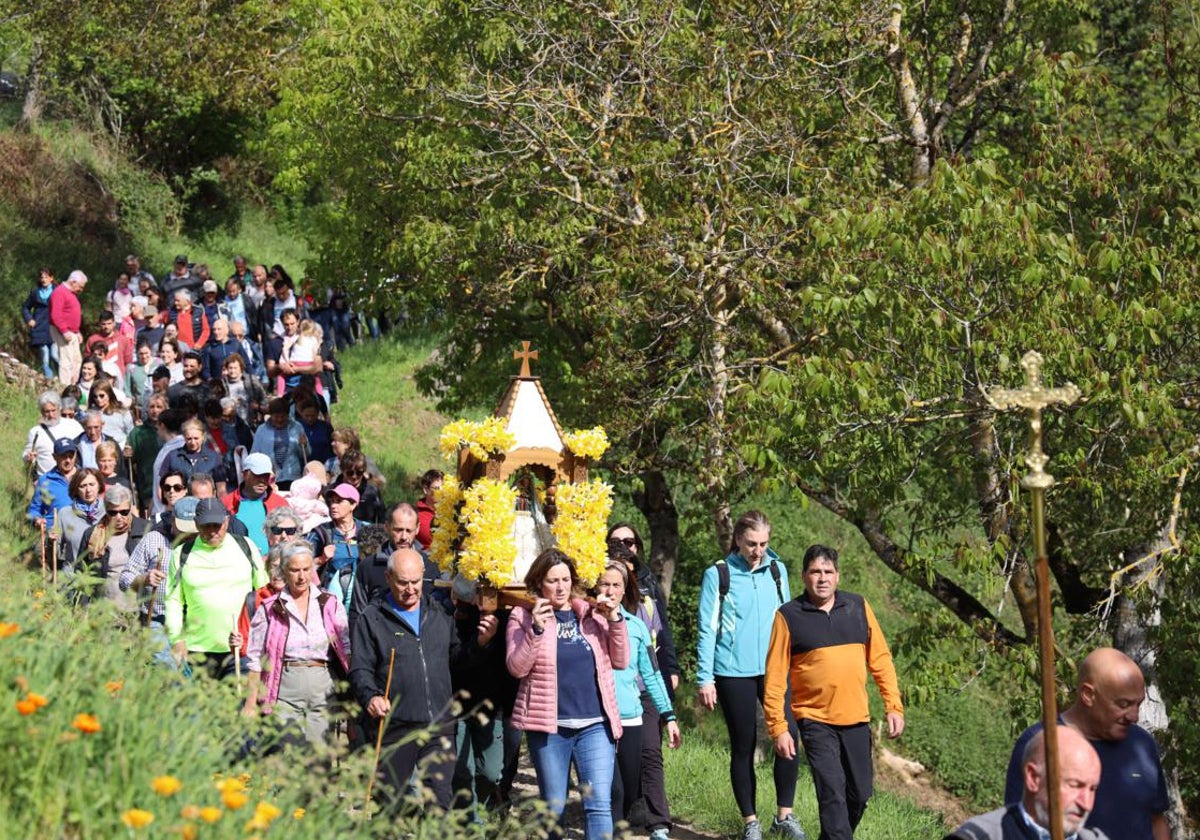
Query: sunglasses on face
174	488
286	531
628	542
118	512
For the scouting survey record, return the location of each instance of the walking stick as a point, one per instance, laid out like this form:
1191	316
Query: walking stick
42	531
162	561
237	660
387	692
54	556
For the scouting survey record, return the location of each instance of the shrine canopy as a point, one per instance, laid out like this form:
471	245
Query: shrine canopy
538	437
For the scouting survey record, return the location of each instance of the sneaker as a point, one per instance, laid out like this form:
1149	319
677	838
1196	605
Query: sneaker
659	834
789	827
752	831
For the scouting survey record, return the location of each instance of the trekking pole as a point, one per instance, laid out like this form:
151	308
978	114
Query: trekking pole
129	464
162	561
54	556
42	531
387	692
237	660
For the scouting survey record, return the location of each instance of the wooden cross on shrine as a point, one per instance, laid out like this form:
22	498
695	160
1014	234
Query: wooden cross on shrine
1033	397
525	355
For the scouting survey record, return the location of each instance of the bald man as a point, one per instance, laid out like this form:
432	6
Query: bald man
425	641
1079	776
1131	803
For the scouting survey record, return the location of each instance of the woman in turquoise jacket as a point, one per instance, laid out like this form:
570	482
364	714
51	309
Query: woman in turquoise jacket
616	585
738	599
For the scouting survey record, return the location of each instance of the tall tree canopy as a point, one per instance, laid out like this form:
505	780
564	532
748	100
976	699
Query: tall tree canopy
796	242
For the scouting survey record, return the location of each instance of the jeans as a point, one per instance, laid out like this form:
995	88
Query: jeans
593	751
480	761
48	353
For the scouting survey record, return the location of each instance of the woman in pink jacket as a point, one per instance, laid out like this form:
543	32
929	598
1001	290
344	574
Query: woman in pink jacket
564	650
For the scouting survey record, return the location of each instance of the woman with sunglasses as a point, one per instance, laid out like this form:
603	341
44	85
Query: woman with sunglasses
653	611
108	546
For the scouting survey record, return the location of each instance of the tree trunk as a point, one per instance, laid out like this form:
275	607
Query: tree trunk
658	507
1133	624
714	481
31	109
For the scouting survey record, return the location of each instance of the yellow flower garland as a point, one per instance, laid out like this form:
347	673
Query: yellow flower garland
484	439
587	443
446	500
488	551
580	525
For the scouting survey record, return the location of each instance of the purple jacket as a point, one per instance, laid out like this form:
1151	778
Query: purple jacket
533	659
278	625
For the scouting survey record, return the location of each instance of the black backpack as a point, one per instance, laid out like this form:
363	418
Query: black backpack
723	588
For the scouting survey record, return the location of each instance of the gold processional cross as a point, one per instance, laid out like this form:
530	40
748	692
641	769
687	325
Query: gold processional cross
1034	397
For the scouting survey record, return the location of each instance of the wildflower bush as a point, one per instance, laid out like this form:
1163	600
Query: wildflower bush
101	742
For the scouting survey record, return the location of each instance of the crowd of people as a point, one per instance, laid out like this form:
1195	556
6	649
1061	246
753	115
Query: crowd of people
188	471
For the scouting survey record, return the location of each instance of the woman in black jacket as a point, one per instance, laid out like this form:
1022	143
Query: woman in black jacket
36	312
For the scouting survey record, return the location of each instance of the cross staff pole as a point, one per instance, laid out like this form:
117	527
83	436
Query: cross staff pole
1033	397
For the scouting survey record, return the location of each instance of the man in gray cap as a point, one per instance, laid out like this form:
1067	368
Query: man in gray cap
211	576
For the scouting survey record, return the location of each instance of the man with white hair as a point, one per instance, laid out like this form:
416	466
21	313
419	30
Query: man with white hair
66	319
1029	819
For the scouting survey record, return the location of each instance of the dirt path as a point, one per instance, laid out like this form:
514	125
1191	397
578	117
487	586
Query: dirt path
892	773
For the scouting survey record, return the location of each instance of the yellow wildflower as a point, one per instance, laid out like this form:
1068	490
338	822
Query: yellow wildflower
298	814
136	818
233	799
264	814
210	813
166	785
9	628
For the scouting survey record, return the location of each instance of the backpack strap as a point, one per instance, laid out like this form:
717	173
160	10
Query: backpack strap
778	584
722	591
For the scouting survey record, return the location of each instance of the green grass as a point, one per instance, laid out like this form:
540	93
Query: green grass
399	427
698	789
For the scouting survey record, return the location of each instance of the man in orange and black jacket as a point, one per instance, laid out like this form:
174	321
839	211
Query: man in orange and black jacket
825	641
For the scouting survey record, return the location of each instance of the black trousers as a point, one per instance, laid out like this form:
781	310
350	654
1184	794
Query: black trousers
627	772
404	751
654	781
738	697
840	759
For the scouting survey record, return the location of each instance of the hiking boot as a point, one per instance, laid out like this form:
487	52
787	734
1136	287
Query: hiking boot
752	831
789	827
659	834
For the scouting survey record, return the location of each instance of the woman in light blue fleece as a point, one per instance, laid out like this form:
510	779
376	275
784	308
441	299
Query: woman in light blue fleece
738	600
616	585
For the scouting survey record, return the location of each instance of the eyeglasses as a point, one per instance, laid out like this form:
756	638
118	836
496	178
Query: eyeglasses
280	529
120	512
174	488
352	473
628	542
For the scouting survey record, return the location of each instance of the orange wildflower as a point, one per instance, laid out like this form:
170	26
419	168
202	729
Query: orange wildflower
86	723
26	706
9	628
190	812
136	818
210	814
234	799
188	832
36	699
113	687
166	785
